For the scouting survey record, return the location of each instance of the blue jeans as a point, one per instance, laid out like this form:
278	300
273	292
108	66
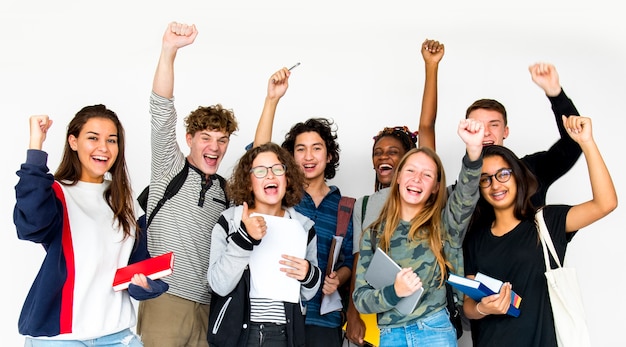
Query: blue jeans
123	338
432	331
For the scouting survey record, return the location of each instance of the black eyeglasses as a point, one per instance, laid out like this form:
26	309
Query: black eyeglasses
261	171
503	175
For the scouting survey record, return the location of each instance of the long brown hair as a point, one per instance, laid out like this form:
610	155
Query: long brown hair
425	224
119	193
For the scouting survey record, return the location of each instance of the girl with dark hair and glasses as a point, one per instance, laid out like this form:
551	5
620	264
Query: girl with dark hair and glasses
507	245
266	182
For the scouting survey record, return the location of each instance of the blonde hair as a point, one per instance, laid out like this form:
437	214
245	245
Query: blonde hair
426	224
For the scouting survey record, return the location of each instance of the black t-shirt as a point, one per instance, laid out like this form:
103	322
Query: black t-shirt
517	257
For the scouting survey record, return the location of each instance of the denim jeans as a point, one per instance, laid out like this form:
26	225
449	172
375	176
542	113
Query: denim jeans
267	335
123	338
432	331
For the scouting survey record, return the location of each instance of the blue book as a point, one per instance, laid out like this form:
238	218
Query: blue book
481	286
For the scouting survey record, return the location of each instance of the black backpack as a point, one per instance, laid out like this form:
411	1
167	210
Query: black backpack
172	189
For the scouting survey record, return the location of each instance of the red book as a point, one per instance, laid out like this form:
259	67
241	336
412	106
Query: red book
154	268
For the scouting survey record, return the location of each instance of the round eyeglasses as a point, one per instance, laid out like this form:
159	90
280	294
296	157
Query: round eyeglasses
503	175
261	171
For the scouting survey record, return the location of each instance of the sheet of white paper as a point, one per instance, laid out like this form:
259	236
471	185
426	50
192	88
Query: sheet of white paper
332	302
284	236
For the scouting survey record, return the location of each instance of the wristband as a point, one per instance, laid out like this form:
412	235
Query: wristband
479	311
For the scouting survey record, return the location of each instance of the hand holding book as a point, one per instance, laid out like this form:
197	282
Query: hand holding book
332	302
154	268
499	303
140	280
482	286
407	282
383	272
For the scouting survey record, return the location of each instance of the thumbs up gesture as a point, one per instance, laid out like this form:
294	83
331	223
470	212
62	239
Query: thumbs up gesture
255	226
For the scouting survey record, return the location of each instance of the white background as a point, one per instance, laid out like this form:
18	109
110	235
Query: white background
361	66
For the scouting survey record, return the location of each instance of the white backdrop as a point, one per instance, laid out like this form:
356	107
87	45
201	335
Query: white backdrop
361	66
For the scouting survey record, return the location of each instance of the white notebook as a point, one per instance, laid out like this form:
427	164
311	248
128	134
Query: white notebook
382	272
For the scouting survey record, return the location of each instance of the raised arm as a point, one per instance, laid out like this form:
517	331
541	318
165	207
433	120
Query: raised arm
432	52
276	88
39	126
472	133
604	196
546	77
565	152
38	214
462	201
177	35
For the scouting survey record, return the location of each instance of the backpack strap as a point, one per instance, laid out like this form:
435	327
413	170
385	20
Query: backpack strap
172	188
344	213
372	233
373	240
222	181
363	209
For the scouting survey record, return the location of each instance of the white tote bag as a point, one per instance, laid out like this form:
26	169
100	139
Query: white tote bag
567	306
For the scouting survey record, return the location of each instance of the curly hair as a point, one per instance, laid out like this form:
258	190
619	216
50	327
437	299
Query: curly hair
119	194
324	127
407	138
240	183
213	117
426	224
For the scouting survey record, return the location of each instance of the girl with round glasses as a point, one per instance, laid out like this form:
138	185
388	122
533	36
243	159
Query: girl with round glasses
503	175
314	146
267	182
507	247
262	171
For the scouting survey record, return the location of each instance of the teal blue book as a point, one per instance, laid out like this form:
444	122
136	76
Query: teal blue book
481	286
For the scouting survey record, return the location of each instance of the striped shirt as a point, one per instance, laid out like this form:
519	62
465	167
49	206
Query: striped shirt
184	223
325	218
267	311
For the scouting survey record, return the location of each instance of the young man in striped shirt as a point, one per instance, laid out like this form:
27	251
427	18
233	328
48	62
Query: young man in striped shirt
183	225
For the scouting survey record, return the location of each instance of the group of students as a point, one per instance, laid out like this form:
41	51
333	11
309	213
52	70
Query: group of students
85	218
